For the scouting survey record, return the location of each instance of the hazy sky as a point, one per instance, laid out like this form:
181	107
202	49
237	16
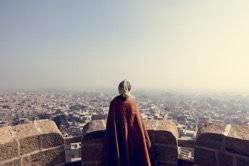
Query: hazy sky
162	44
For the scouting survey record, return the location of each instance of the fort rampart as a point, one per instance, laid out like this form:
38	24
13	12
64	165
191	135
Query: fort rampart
33	144
41	143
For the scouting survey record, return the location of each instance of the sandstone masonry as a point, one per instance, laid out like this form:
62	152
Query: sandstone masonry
38	143
220	144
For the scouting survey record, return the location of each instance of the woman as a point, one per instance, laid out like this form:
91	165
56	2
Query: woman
126	140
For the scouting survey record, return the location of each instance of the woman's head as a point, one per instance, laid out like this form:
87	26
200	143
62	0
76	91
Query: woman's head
124	88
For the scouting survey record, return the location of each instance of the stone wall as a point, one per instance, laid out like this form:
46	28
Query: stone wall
33	144
222	145
41	143
163	135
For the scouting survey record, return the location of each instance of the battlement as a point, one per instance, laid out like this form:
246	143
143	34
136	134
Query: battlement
163	135
38	143
41	143
220	144
216	144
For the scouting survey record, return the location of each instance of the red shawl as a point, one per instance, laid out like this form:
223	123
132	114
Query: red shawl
126	140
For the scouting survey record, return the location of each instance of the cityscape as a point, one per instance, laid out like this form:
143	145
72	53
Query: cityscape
72	110
186	61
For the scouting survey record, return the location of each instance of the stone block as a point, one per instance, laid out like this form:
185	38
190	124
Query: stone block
152	134
37	159
211	136
91	152
237	140
28	137
242	161
95	135
8	145
55	156
162	125
92	140
203	157
164	153
50	135
216	128
49	157
237	146
29	144
210	140
225	159
165	137
26	161
51	140
16	162
239	132
93	126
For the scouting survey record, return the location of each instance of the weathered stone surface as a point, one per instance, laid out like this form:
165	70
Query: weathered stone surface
237	146
225	159
55	156
28	137
8	145
51	140
162	125
95	125
214	128
24	140
49	157
69	140
242	161
16	162
91	152
92	140
239	132
237	140
26	161
211	136
165	137
165	153
5	135
210	140
204	157
50	135
95	135
37	159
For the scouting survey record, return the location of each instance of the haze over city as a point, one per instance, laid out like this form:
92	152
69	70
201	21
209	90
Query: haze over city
172	45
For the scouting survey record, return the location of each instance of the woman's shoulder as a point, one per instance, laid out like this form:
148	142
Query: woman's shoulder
120	98
117	98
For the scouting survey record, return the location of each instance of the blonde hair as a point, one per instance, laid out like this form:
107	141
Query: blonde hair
124	88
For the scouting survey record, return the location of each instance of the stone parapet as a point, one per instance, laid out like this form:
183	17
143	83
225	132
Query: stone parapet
163	135
220	144
38	143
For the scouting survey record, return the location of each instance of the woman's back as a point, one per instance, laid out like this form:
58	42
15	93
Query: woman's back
126	141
